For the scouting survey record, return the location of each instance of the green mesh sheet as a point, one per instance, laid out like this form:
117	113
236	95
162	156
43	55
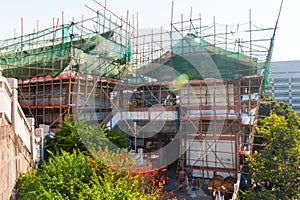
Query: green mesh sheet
266	80
200	59
39	54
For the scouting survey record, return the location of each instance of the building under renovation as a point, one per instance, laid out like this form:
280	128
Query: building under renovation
189	95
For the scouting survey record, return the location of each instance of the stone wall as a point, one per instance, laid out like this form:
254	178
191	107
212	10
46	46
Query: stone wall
14	158
19	146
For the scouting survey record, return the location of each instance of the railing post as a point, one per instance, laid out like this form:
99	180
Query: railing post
32	138
39	135
14	110
46	131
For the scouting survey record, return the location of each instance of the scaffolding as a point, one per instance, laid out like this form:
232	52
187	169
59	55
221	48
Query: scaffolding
217	75
69	69
195	87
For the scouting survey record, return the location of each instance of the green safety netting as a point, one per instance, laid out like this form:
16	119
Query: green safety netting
49	52
266	68
199	59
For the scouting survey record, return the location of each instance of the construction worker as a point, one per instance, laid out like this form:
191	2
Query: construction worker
215	193
181	179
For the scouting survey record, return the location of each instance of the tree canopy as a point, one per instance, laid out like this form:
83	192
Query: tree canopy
275	167
77	176
79	135
76	168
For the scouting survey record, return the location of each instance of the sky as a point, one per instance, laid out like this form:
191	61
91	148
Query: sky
39	14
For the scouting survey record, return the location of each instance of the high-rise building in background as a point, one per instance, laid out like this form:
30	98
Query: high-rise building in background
285	79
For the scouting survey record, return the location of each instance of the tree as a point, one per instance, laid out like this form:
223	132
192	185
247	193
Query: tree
67	139
275	167
77	176
79	135
79	166
117	137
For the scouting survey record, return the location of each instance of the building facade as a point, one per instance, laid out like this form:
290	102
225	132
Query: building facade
285	79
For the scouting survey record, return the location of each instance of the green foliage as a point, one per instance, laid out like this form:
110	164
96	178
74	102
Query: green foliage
92	136
255	194
275	167
62	177
67	139
79	135
117	137
77	176
266	106
70	171
270	105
